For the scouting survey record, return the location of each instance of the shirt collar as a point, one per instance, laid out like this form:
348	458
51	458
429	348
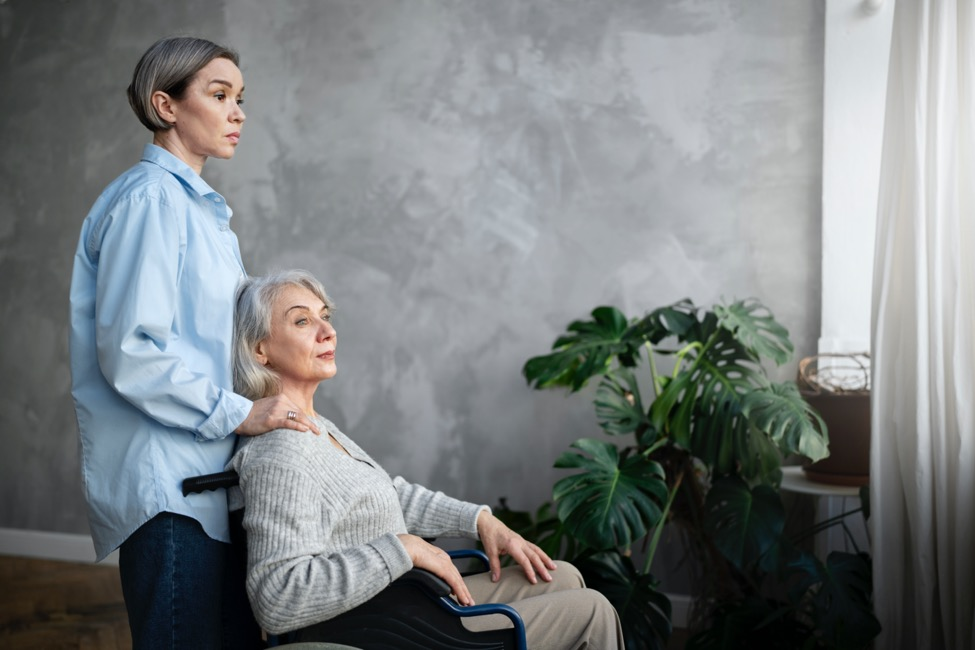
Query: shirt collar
158	156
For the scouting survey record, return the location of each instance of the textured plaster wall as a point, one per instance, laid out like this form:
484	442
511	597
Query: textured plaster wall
466	178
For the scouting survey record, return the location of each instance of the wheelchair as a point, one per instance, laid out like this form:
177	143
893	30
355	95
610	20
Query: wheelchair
415	612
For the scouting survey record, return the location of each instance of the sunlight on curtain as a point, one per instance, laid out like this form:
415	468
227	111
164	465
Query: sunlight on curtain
923	437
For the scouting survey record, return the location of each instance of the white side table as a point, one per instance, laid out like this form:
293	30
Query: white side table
831	501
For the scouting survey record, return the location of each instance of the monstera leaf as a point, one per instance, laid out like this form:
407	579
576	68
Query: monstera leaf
675	320
612	502
744	523
587	350
828	607
753	622
619	408
841	592
700	406
644	610
782	414
753	325
760	461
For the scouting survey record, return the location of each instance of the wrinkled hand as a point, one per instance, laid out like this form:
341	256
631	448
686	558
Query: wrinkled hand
500	540
436	560
271	413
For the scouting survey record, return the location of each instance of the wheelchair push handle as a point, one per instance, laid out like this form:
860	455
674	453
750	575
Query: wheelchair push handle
197	484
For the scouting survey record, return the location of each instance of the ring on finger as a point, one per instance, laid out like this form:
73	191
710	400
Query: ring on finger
292	415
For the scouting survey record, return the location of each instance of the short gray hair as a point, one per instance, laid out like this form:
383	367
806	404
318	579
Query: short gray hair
252	324
169	65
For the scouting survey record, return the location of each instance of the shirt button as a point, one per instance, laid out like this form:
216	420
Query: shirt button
217	199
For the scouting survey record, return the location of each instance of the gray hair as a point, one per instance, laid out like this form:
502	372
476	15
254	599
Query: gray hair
252	324
169	65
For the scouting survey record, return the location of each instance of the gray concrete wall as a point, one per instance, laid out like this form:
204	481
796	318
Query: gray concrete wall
466	178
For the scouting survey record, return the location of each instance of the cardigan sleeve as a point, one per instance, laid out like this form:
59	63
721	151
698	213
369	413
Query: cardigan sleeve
433	514
293	579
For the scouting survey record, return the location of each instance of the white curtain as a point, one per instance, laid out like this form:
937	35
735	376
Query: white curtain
923	444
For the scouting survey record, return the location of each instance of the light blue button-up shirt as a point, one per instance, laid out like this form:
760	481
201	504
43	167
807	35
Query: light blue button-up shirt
152	297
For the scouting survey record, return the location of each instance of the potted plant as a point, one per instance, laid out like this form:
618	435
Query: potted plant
837	386
700	447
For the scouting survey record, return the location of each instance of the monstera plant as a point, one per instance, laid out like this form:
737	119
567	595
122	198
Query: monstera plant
695	436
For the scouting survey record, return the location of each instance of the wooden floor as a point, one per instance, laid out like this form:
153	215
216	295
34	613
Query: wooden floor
48	605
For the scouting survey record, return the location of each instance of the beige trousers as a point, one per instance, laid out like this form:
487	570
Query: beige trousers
558	615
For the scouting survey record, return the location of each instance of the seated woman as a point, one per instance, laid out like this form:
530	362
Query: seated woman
328	529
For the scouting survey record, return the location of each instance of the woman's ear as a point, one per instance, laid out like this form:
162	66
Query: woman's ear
260	353
164	105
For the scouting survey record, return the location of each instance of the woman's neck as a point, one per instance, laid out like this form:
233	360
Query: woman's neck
304	399
169	141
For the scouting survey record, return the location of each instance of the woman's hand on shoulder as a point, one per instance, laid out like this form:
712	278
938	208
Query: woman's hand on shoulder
500	540
271	413
434	559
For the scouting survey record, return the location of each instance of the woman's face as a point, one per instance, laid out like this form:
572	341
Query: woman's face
208	118
301	348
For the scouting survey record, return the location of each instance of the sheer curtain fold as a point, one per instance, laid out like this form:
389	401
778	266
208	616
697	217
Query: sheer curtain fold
923	438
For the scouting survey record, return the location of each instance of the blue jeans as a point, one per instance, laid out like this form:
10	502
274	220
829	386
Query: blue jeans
183	589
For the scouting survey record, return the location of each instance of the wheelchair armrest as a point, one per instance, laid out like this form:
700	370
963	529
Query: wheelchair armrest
416	611
491	608
425	580
464	553
441	590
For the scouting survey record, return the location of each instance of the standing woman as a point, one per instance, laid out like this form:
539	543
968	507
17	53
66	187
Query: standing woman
152	301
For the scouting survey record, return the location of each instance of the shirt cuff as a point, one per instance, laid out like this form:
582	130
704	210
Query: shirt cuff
232	409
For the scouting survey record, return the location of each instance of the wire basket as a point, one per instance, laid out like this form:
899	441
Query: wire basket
835	373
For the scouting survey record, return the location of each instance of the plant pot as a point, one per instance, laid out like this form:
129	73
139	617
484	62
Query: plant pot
847	417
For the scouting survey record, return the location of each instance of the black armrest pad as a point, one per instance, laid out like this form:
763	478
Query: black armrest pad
425	580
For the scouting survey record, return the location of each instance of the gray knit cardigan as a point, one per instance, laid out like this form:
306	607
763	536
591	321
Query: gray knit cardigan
321	525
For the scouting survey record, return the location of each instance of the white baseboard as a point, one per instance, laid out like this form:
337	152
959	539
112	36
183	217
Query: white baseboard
50	546
680	609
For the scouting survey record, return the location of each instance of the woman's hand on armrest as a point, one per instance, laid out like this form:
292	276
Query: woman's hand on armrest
271	413
500	540
435	560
